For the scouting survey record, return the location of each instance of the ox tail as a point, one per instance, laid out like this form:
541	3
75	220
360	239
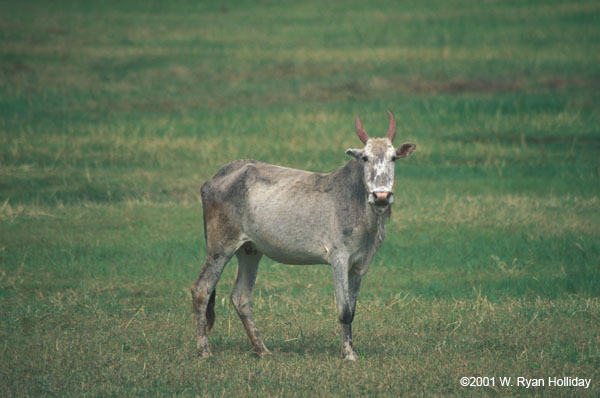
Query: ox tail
204	212
205	238
210	310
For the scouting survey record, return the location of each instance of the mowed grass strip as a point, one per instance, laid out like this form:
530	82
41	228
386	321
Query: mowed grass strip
113	114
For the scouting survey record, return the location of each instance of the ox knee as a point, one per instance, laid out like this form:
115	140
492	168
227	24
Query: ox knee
346	315
198	296
241	304
201	297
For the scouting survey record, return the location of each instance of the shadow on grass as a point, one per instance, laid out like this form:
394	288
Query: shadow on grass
306	346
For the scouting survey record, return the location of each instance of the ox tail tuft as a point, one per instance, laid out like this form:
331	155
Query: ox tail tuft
210	310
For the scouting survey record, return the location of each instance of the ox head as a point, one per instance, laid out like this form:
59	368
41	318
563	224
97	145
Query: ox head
378	158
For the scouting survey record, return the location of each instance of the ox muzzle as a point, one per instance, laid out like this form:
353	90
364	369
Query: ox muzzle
381	198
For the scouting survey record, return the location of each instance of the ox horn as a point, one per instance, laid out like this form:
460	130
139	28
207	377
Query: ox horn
362	134
392	128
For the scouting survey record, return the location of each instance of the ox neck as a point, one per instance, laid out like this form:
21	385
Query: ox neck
362	213
353	173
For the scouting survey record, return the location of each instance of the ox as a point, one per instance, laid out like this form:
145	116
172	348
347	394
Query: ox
253	209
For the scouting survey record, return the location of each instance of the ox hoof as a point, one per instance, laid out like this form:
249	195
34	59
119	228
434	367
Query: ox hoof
262	351
348	353
204	352
350	357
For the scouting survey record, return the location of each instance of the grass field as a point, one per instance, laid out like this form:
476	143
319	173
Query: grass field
112	115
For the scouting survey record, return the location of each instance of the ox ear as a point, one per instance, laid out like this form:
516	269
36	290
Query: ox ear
404	151
355	153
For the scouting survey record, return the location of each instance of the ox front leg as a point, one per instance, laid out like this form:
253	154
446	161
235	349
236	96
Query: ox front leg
345	308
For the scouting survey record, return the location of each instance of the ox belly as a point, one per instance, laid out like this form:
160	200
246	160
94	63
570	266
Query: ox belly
298	234
296	255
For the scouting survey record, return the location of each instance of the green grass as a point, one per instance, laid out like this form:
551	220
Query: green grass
112	115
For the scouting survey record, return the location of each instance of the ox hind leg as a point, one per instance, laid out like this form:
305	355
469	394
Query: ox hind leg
223	238
203	291
248	258
203	300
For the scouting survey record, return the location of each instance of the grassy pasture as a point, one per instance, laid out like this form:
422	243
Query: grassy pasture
112	114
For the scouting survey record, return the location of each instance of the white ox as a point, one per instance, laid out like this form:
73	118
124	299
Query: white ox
296	217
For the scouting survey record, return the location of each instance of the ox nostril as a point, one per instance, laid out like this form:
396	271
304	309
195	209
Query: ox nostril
382	195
